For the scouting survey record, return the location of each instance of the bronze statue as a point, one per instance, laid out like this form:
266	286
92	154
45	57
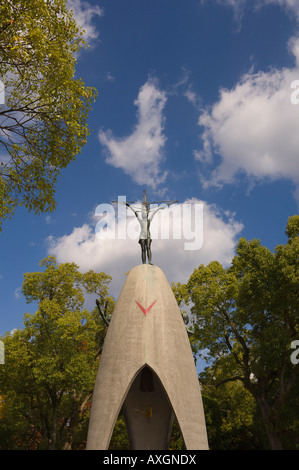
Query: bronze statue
145	220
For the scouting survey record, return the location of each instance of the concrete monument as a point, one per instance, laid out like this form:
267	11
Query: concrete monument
147	369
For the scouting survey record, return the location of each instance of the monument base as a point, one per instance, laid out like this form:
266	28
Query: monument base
147	369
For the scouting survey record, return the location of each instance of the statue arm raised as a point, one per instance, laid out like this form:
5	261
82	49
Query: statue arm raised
158	209
135	212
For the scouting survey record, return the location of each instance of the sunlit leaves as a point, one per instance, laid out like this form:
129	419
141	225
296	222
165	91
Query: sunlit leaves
246	319
44	119
51	364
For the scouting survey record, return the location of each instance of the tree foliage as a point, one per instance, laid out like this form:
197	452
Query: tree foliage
50	366
230	414
246	319
43	122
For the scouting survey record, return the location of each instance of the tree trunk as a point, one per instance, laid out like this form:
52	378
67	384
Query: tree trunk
53	430
271	424
67	445
75	419
71	427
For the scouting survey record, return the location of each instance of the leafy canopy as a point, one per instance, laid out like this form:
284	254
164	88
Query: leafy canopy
43	122
51	364
247	317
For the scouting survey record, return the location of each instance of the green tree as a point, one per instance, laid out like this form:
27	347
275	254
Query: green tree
51	364
119	439
44	118
246	319
230	413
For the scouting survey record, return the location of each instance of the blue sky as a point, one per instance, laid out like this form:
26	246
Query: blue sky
195	105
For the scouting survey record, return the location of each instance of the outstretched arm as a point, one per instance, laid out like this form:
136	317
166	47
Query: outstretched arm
128	205
156	210
135	212
161	208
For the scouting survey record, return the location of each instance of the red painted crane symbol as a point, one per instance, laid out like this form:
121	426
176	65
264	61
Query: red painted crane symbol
145	311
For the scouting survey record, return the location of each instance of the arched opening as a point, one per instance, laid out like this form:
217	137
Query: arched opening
120	439
148	413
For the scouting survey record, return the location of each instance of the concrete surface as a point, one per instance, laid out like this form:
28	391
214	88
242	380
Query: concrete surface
152	334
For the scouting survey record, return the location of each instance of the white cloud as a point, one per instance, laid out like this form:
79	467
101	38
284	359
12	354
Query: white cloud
237	5
84	14
254	128
18	292
294	49
118	256
290	6
140	154
109	77
49	220
192	96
